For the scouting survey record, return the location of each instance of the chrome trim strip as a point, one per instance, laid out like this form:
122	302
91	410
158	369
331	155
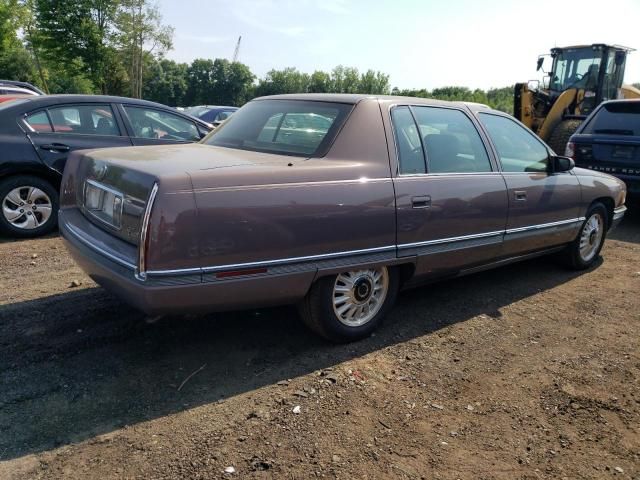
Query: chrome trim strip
451	239
619	212
268	263
95	248
140	273
354	181
179	271
545	225
281	261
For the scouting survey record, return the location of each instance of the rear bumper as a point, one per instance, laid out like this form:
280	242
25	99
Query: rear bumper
173	294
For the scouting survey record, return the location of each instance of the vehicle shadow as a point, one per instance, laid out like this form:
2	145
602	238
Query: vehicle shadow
80	364
629	228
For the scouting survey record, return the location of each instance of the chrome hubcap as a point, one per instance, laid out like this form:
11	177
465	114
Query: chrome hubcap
358	295
591	236
26	207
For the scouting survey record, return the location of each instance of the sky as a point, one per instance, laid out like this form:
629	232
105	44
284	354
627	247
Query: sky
419	43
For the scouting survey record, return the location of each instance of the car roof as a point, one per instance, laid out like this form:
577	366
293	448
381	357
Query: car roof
33	102
214	106
622	100
26	85
359	97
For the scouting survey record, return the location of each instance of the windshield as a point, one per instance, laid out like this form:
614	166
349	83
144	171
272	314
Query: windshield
289	127
576	68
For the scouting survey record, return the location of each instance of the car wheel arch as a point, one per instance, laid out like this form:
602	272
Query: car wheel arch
609	205
43	174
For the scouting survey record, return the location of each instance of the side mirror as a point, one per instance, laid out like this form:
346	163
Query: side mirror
562	164
540	62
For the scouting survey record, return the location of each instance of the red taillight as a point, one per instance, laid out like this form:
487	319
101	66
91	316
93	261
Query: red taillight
570	150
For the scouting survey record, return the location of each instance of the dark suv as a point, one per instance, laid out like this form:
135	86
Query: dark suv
609	141
37	133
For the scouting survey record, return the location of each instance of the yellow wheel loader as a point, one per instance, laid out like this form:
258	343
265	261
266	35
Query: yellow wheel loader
581	77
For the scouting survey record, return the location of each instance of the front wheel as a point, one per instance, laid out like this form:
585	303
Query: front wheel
584	250
349	306
29	206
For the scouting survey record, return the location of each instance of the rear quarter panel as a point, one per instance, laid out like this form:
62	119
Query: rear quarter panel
342	202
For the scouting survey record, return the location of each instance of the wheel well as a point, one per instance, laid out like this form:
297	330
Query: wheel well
609	205
406	271
51	177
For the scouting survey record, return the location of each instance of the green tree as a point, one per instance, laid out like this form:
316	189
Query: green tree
218	82
80	34
374	83
345	79
289	80
165	81
319	82
15	60
140	34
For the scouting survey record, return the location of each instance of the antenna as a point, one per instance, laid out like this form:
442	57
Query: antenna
236	52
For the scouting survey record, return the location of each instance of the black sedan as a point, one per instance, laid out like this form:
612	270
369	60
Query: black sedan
609	141
38	132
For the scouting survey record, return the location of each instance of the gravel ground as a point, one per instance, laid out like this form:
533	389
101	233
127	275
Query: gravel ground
529	371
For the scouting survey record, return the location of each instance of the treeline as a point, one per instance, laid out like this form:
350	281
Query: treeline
118	47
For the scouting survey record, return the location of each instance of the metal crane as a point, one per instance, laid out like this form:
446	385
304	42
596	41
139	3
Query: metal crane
236	52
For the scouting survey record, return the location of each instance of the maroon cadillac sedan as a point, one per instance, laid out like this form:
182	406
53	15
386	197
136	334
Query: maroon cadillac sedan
330	202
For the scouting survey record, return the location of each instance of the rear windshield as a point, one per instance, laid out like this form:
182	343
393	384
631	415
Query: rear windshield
289	127
616	119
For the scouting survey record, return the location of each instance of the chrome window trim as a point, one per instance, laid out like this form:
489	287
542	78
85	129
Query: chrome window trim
483	139
140	272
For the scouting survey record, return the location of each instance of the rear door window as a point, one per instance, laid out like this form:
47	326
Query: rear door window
84	120
452	143
39	121
616	119
408	144
289	127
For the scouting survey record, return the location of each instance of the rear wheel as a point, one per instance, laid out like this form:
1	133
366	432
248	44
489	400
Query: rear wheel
585	249
561	135
351	305
29	206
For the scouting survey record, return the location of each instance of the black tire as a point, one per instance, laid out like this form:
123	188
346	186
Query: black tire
561	135
317	310
8	185
572	256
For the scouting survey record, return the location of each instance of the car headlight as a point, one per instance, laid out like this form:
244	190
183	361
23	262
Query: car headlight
103	203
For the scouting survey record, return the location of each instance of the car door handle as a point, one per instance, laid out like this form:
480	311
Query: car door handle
521	196
423	201
56	147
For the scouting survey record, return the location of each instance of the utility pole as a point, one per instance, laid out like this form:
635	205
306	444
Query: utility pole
237	50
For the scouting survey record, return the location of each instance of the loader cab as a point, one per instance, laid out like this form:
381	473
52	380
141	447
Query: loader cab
596	69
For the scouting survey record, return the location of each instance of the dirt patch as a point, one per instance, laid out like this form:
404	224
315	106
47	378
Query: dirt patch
529	371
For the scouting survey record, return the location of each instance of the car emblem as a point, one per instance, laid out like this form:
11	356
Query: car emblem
99	170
